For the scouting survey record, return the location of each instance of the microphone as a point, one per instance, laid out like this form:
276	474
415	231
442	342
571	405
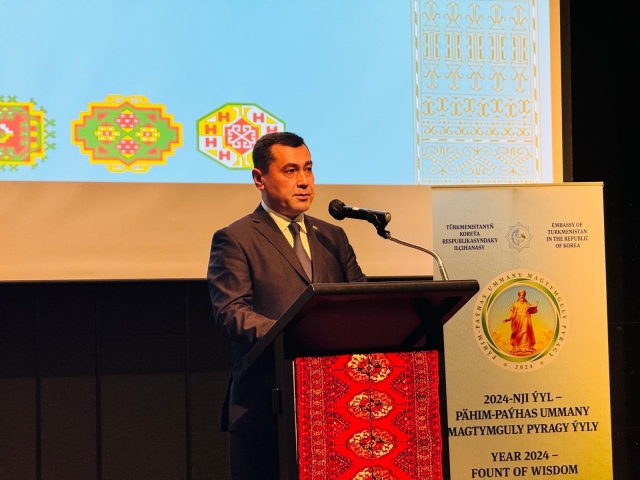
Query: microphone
340	211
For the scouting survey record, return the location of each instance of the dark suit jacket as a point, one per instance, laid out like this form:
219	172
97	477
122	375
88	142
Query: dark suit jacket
253	277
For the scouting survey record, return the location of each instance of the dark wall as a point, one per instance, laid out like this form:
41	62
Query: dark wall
601	152
111	380
125	380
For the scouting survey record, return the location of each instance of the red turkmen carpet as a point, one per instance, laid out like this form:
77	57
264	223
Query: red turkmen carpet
369	416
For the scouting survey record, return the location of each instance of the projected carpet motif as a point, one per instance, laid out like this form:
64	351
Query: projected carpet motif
23	133
227	135
478	100
126	134
365	417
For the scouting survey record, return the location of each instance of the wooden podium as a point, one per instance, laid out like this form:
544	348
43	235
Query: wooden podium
347	318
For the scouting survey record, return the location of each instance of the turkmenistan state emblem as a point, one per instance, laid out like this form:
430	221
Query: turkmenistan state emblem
520	320
23	133
228	134
126	134
519	236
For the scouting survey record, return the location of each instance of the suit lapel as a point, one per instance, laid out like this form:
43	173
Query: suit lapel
264	224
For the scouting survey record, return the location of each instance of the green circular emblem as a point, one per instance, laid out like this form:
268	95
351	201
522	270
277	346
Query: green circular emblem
520	320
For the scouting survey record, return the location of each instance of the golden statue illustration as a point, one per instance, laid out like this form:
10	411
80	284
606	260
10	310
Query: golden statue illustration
522	336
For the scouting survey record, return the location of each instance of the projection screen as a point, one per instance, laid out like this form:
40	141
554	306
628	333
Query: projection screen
126	127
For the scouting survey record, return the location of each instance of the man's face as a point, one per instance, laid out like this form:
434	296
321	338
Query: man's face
287	187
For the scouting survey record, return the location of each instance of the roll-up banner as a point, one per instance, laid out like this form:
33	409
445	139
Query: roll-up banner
527	369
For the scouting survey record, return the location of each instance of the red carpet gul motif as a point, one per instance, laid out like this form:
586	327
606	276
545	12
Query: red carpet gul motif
369	416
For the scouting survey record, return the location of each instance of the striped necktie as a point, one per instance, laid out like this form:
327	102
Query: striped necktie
299	249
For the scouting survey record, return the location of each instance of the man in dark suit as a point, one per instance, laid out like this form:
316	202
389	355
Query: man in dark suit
255	274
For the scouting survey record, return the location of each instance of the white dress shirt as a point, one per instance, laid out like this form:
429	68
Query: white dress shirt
283	224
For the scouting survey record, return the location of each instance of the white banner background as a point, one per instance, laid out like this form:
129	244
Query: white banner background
543	411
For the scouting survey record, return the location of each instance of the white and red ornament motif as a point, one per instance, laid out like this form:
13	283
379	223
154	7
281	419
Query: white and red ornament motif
368	368
370	405
375	473
228	134
372	443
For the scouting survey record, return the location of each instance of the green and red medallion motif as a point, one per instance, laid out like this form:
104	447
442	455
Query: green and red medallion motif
126	134
23	133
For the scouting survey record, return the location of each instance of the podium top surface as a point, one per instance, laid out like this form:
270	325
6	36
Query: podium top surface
333	318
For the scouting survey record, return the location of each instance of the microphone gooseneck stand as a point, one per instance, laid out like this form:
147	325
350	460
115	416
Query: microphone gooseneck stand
380	220
443	272
387	235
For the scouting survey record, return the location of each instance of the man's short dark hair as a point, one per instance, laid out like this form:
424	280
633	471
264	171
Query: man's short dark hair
262	156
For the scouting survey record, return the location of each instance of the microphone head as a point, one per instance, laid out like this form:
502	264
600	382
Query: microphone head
335	209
